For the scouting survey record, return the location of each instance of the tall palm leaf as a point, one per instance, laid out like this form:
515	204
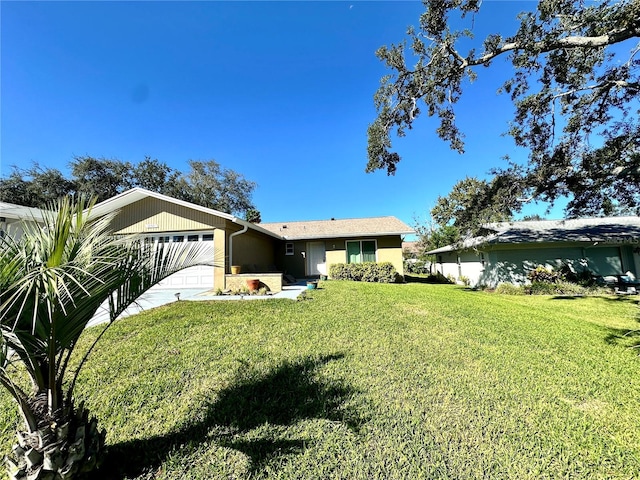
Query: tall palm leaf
53	280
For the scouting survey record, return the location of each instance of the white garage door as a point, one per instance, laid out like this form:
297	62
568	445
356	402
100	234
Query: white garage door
200	276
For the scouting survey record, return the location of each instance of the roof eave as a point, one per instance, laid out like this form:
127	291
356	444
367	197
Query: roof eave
344	235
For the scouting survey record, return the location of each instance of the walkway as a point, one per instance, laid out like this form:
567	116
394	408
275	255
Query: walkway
158	297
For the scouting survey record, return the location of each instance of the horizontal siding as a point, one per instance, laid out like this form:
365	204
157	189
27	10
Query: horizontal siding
154	215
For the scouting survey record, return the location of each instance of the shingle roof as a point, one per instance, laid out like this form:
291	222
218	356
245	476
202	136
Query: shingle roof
351	227
614	230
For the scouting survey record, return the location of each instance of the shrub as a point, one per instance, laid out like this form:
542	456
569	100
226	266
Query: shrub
383	272
543	275
416	266
438	278
509	289
559	288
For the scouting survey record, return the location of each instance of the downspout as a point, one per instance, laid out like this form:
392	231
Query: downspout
239	232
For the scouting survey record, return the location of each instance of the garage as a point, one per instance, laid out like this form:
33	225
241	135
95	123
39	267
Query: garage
200	276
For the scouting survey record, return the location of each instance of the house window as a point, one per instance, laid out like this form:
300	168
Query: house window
482	260
178	238
288	248
360	251
192	238
163	239
207	237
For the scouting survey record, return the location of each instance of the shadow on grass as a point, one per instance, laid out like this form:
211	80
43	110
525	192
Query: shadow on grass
431	279
284	396
624	337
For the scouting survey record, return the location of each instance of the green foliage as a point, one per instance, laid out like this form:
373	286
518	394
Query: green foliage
207	183
416	266
383	272
509	289
575	78
34	186
53	280
252	215
555	288
465	207
542	274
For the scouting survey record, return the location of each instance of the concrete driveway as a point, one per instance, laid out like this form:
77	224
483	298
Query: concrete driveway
157	297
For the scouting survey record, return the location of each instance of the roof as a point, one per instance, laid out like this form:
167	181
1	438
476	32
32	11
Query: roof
339	228
19	212
136	194
411	247
612	230
354	227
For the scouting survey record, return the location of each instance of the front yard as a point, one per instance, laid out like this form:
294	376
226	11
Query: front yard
365	381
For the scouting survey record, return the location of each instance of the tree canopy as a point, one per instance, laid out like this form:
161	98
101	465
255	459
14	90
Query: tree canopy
574	87
207	183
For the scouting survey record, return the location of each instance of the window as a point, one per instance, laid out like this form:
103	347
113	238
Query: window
163	239
192	238
288	248
178	238
207	237
360	251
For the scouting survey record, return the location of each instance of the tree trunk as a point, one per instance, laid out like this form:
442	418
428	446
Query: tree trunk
68	447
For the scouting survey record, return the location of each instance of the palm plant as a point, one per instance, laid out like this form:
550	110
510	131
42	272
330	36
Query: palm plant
53	279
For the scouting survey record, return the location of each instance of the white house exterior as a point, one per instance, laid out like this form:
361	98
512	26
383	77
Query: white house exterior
603	246
12	218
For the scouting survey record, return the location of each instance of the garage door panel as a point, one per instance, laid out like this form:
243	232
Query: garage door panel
194	277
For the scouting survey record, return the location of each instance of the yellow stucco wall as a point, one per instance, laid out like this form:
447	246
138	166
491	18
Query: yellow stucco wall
389	249
219	248
253	249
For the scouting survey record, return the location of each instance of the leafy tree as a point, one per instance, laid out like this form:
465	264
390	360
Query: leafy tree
574	87
52	282
206	183
101	177
466	206
432	236
154	175
252	215
218	188
34	186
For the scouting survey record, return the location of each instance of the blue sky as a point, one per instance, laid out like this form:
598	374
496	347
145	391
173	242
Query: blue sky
281	92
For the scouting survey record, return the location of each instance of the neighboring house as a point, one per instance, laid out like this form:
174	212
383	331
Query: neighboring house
603	246
301	249
12	217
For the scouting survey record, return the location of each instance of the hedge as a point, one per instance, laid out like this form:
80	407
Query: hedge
383	272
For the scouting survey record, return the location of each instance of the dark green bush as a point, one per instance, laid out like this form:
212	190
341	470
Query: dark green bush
383	272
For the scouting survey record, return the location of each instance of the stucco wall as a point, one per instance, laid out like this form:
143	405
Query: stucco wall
511	264
253	250
389	249
292	264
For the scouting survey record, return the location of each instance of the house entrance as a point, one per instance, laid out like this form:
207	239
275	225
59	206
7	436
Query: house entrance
316	259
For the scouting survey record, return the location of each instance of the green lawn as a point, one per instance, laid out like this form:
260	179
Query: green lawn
366	381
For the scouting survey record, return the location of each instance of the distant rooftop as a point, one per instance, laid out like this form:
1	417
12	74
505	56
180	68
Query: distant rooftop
18	212
613	230
351	227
